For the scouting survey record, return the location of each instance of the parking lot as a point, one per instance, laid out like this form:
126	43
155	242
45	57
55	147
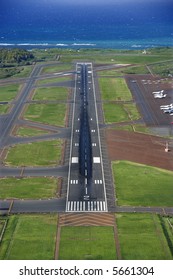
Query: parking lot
142	88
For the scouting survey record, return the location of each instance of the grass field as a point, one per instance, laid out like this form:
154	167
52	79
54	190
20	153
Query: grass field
47	113
35	154
51	93
163	69
28	188
4	108
53	80
2	223
56	68
28	132
29	237
114	89
142	238
138	184
120	112
117	56
104	55
124	70
8	93
167	226
114	113
132	111
87	243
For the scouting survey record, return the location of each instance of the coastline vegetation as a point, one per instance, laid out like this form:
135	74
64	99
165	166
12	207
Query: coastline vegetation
16	62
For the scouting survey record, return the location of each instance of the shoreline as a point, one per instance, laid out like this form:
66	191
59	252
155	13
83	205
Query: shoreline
111	45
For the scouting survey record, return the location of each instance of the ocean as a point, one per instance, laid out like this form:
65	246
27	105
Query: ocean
124	24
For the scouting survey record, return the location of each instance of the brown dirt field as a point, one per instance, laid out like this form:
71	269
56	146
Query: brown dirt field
140	148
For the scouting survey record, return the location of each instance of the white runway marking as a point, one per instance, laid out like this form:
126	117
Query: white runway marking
94	144
96	159
73	182
74	160
86	206
76	144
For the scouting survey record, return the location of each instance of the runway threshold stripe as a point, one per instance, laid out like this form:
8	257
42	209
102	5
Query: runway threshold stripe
86	206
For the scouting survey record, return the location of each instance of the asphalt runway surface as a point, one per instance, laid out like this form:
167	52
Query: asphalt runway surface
86	184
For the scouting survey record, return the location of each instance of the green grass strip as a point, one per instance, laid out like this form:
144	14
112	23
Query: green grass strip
28	188
47	113
4	108
53	80
114	89
142	185
29	132
8	93
87	243
51	93
114	113
141	237
29	237
35	154
56	68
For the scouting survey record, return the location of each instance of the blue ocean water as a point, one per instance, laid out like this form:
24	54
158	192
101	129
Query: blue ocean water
125	24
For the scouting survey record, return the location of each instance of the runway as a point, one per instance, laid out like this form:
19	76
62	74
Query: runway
86	183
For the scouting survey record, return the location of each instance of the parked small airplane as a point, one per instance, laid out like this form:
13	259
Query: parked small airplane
159	95
163	107
161	91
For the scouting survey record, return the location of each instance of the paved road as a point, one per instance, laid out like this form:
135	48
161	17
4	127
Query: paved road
59	205
7	125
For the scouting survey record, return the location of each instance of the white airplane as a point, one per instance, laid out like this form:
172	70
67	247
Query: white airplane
158	92
170	106
159	95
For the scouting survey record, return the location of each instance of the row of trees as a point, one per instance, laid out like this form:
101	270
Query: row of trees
14	56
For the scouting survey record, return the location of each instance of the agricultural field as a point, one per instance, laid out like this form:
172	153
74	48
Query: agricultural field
29	237
141	185
45	153
87	243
